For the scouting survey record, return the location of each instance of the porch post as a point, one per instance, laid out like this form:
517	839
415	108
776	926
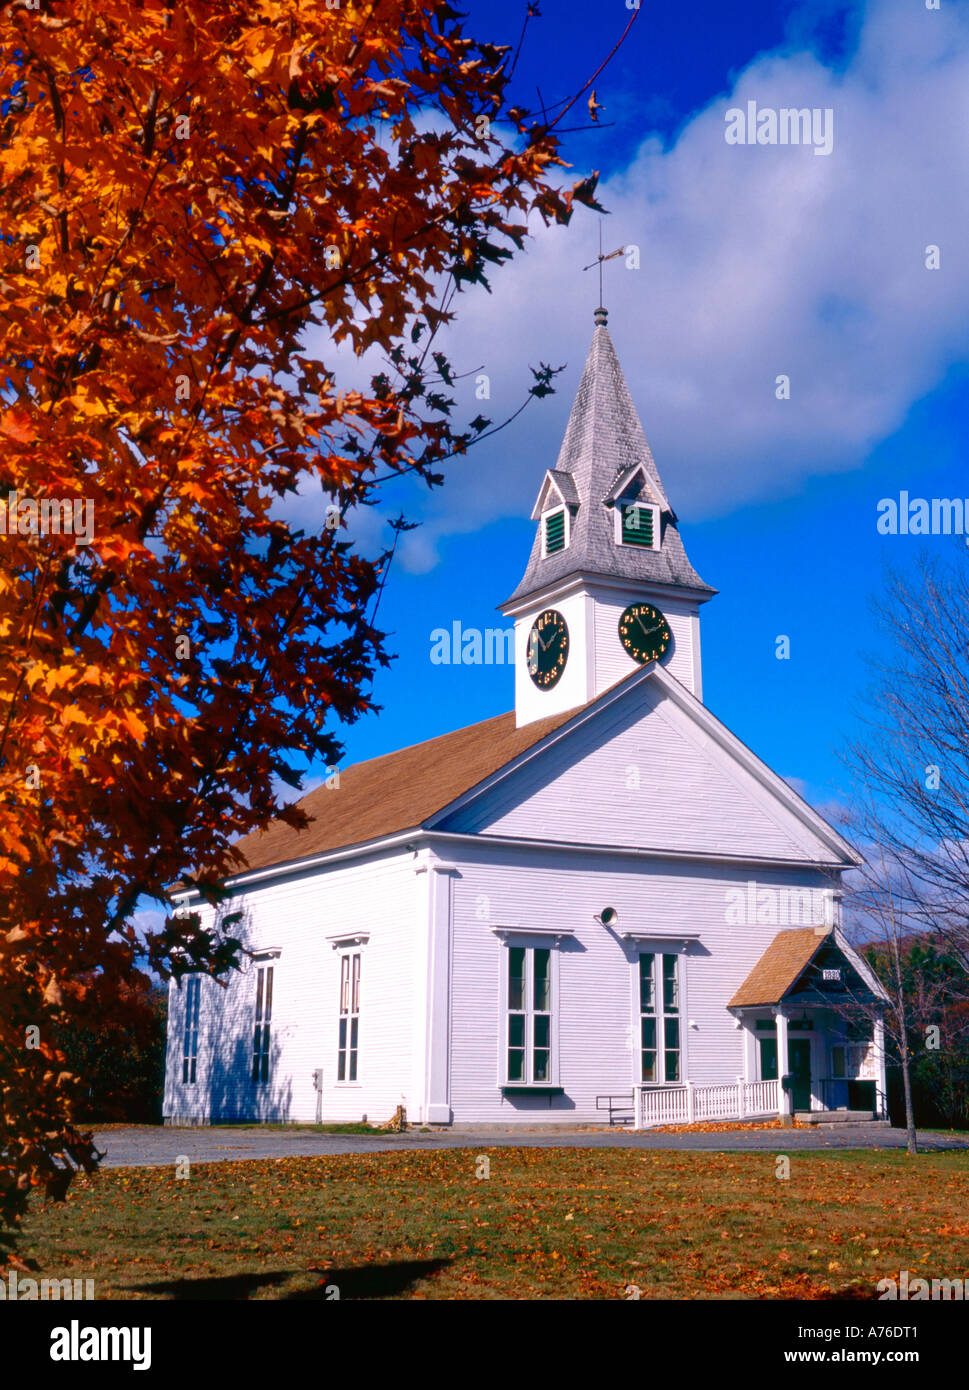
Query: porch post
785	1099
881	1082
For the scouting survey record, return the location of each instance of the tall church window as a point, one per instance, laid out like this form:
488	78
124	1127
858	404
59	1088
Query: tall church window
349	1034
190	1036
529	1058
659	1010
264	1013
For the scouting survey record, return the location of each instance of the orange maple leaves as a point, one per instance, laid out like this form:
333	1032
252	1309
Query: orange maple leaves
192	195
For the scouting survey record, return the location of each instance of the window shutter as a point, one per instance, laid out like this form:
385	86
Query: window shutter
637	525
554	532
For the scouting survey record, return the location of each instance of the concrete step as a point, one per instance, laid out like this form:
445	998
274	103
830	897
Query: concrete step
837	1117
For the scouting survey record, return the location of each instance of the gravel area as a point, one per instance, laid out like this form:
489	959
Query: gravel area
146	1146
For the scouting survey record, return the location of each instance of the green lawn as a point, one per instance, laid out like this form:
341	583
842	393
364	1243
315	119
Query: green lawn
546	1223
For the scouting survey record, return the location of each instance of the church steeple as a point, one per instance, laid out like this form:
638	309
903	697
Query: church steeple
606	540
604	445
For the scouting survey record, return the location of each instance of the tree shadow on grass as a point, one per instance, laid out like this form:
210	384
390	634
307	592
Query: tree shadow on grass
361	1281
369	1281
226	1286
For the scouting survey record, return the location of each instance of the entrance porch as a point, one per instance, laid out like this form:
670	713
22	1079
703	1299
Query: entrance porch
828	1066
811	1018
811	1042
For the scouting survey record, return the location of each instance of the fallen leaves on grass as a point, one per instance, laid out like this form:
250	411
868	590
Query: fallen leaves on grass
548	1223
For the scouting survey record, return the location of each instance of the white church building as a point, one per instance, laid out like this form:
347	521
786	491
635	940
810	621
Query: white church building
598	907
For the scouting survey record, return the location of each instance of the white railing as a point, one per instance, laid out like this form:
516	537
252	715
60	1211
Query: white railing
685	1104
715	1102
761	1097
663	1105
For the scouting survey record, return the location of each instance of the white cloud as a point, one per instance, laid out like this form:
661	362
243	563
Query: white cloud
755	262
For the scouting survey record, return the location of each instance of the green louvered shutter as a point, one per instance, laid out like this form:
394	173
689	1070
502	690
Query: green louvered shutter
637	525
554	532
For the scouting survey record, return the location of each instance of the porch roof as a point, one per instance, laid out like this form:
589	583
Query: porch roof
780	967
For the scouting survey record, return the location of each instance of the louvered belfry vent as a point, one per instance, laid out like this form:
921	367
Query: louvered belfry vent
554	532
637	525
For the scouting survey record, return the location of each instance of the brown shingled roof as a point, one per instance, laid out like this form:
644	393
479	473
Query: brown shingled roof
397	791
780	966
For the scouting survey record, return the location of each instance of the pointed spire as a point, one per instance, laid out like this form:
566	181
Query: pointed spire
604	446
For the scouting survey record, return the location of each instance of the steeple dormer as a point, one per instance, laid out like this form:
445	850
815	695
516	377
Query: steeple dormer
608	586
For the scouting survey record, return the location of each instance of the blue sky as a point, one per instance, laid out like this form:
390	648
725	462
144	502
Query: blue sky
755	261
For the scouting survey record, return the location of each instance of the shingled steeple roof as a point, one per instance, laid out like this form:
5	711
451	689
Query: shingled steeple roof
604	445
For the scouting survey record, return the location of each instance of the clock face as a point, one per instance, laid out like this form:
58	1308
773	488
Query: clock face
548	648
644	632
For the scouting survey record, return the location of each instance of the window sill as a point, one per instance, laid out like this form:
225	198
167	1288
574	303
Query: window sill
522	1090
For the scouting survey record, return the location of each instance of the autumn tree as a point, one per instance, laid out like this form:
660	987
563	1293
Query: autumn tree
187	190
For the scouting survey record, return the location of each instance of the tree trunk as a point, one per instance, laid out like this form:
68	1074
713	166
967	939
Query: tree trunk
911	1145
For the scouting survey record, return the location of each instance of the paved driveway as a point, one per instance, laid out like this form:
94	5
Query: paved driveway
145	1146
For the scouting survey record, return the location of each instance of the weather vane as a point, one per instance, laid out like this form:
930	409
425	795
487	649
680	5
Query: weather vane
600	258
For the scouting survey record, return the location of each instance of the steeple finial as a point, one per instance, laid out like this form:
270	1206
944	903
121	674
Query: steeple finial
598	261
600	317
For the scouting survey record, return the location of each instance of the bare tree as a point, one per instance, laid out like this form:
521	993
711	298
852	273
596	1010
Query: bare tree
877	924
912	765
910	808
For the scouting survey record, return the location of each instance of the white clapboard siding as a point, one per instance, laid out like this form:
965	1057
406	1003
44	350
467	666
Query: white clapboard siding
295	916
642	774
596	1012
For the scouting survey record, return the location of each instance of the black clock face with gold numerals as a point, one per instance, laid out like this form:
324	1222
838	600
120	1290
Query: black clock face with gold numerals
548	648
644	632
